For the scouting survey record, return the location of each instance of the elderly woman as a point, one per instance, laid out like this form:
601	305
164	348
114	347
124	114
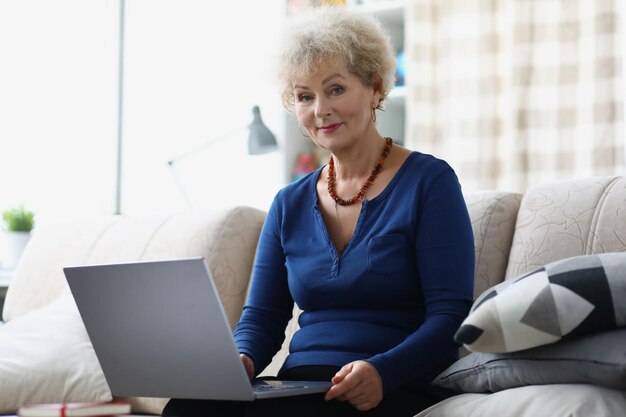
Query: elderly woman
375	247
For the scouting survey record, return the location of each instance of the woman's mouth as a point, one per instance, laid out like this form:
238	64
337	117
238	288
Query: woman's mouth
328	129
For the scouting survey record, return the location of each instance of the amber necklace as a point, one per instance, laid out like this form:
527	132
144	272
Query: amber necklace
332	184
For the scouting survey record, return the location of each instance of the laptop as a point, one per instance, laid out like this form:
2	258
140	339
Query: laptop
158	329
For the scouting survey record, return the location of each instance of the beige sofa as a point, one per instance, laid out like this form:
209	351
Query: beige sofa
45	354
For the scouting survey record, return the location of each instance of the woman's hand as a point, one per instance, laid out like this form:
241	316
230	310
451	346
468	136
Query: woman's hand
248	364
359	383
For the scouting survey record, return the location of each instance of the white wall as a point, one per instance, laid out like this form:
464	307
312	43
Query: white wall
194	69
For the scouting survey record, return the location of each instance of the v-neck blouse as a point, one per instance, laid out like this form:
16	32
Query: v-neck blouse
394	297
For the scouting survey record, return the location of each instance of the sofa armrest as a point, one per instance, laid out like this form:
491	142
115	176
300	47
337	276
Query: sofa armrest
493	215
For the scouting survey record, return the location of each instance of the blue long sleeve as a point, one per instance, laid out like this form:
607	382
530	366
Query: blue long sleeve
261	329
444	254
394	298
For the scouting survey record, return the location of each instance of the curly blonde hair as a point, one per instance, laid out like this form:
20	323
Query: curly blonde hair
336	35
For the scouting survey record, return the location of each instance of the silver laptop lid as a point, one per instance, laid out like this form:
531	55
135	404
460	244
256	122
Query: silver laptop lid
159	330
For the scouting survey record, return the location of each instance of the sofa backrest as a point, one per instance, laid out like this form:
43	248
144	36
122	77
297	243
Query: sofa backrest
567	218
227	239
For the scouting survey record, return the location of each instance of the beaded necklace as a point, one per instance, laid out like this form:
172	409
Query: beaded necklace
332	180
362	192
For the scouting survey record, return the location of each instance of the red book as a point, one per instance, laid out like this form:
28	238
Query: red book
74	409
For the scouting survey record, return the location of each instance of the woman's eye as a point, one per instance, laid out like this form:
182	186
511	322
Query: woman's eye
337	90
304	97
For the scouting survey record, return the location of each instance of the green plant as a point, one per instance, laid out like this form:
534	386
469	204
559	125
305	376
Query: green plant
19	219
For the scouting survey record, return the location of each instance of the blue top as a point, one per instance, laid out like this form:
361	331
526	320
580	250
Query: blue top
396	295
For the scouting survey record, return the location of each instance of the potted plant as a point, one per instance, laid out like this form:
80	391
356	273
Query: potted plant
18	224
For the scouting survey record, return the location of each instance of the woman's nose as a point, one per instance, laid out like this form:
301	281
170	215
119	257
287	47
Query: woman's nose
322	107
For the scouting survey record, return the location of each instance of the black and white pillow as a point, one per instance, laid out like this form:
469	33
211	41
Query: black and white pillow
563	299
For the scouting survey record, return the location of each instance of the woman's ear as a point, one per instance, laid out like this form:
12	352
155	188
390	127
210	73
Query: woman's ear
377	86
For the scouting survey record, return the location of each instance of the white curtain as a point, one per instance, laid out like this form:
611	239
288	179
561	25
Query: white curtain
515	92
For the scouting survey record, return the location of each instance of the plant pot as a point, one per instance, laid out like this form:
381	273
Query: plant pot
13	244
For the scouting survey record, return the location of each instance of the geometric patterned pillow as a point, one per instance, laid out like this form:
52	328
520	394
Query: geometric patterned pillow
567	298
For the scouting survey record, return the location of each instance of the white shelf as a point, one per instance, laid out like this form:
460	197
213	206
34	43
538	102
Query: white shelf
391	15
398	93
387	11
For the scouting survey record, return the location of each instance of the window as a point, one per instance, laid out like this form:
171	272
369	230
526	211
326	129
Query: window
57	105
193	70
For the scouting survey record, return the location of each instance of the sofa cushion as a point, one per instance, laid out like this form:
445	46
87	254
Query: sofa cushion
566	298
598	358
566	218
572	400
493	215
46	356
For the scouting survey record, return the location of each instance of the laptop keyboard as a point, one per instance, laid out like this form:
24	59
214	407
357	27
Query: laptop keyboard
276	386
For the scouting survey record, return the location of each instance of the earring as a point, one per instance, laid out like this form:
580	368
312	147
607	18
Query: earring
374	114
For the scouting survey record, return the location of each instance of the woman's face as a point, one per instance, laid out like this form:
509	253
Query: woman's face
334	106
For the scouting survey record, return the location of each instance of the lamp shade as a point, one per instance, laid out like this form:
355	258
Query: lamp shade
260	138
